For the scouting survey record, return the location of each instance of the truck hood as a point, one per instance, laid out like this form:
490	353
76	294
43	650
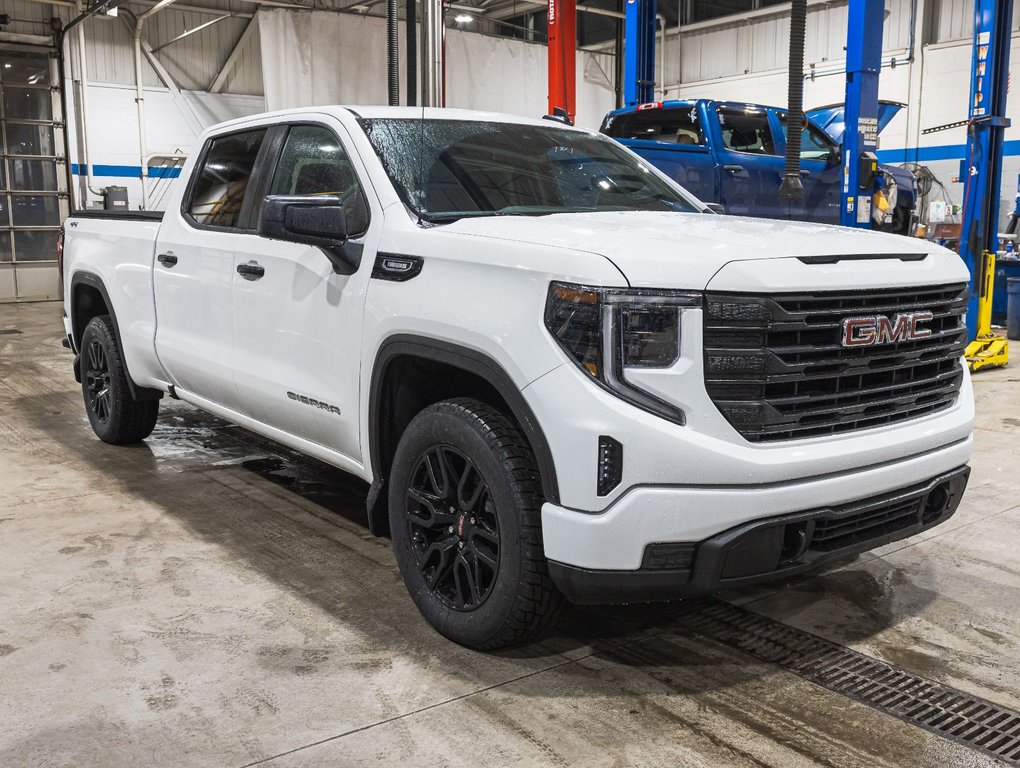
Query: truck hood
685	250
832	119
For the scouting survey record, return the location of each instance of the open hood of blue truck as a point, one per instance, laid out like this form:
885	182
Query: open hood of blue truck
832	119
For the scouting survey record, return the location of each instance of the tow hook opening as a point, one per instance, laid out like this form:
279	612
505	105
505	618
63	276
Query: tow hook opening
937	502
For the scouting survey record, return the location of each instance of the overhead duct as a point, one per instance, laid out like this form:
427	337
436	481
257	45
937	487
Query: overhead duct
411	41
792	188
392	54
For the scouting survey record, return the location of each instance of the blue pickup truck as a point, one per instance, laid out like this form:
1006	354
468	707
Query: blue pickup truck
733	154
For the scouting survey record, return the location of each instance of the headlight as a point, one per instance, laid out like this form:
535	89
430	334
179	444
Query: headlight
607	331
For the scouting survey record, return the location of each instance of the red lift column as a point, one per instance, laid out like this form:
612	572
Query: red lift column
562	55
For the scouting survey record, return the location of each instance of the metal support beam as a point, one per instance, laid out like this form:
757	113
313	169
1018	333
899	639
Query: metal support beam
562	27
188	33
639	52
432	28
983	173
235	54
865	19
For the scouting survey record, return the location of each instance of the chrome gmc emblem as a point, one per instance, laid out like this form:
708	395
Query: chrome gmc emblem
871	331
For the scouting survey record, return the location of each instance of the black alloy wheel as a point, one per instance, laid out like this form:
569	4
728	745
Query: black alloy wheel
453	528
97	381
115	415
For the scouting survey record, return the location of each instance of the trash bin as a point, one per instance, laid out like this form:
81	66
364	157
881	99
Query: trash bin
1013	309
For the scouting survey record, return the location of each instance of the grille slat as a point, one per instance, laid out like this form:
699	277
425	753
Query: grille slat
776	368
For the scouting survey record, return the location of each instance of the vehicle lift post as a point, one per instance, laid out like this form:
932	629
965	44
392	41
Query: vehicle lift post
982	175
865	19
562	35
639	52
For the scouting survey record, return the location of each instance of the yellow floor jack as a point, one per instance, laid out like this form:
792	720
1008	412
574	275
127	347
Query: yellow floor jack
990	348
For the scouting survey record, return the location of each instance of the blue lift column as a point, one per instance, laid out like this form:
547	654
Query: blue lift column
982	173
863	65
639	53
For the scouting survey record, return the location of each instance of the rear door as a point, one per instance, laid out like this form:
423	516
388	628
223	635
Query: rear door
750	170
194	271
298	324
820	173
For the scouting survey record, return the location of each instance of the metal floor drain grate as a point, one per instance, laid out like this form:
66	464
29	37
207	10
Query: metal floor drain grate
944	711
8	331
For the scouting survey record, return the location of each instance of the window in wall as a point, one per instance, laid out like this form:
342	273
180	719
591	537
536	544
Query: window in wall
223	179
676	125
746	130
314	163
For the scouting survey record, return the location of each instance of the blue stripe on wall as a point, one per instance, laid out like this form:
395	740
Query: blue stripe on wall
129	171
903	155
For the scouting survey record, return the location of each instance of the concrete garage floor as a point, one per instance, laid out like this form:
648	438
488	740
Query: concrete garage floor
208	598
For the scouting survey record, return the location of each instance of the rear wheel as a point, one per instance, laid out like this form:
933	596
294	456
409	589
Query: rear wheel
465	517
115	416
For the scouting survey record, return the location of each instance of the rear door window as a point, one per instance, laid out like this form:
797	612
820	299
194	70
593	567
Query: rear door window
221	182
671	125
746	130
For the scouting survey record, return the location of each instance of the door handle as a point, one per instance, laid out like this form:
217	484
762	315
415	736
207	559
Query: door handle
733	168
168	259
251	271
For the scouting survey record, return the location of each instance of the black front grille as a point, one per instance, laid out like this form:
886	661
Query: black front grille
777	370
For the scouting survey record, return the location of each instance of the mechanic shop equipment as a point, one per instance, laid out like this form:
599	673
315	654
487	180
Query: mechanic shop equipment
115	199
638	52
988	123
863	65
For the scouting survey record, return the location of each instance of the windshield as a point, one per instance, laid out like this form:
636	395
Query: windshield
449	169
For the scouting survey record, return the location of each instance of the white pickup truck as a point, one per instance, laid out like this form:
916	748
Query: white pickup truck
563	376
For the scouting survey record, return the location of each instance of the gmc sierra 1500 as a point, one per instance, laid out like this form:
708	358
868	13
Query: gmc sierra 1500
561	373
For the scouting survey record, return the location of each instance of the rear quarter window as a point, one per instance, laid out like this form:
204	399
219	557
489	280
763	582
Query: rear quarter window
671	125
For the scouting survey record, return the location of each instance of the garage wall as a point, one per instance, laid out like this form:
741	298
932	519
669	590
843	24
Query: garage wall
329	58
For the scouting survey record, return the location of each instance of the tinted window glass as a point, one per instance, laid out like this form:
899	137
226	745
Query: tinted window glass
448	169
676	125
314	163
223	179
814	145
746	130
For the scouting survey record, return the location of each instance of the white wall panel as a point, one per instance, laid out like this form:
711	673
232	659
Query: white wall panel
328	58
746	45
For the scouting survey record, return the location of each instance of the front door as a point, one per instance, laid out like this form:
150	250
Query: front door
194	270
821	174
297	324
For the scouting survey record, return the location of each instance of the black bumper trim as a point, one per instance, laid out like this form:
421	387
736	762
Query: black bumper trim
757	551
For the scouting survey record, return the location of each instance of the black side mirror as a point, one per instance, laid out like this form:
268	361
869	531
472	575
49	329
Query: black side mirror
834	157
313	220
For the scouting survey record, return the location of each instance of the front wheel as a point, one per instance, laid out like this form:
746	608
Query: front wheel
115	416
465	516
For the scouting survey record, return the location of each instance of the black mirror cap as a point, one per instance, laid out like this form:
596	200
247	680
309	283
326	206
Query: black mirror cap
715	208
310	219
317	220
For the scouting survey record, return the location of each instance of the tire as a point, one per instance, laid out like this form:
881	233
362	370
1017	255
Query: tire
115	416
475	568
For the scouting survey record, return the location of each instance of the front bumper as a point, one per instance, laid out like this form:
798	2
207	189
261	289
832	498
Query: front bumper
768	548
